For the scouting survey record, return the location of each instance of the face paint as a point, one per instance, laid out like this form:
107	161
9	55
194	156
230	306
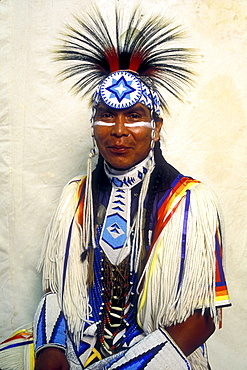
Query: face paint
130	125
122	147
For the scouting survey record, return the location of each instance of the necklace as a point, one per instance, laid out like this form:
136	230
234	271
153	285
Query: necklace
113	301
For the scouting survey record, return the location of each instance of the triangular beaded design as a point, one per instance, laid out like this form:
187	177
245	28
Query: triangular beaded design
115	236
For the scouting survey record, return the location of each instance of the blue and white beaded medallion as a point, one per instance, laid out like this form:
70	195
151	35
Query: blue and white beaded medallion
121	90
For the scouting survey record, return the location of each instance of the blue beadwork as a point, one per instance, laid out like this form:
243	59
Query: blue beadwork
100	306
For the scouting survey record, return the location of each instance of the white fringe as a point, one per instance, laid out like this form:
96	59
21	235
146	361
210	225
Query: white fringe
163	305
75	300
139	223
88	214
199	360
20	357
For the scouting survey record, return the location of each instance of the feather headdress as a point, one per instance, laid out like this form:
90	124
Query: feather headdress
145	46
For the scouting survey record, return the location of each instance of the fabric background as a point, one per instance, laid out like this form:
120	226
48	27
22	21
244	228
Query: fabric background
45	138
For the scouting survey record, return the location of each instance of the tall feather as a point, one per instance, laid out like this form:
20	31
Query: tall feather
145	45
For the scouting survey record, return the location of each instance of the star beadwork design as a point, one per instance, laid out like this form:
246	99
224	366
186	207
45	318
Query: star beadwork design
121	89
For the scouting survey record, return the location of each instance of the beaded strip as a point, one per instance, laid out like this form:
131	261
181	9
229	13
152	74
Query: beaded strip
113	306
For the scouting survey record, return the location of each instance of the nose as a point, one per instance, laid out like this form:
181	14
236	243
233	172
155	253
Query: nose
119	129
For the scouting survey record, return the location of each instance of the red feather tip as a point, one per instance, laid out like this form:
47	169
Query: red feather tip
113	59
135	61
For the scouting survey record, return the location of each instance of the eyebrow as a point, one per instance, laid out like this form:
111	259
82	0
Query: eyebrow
102	109
129	110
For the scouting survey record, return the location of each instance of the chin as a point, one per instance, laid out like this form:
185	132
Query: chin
119	165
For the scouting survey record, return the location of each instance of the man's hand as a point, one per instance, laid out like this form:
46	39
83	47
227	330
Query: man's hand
51	359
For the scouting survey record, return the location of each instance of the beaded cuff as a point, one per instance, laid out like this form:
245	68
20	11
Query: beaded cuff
49	324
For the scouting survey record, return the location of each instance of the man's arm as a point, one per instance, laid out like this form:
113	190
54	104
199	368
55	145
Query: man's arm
192	333
166	348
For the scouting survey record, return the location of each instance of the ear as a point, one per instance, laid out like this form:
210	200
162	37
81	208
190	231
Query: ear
158	125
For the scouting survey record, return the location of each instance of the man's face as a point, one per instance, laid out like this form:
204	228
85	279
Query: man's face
121	145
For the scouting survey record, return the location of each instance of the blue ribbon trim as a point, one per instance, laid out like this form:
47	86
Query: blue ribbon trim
17	345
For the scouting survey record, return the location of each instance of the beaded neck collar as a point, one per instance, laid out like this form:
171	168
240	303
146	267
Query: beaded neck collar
126	179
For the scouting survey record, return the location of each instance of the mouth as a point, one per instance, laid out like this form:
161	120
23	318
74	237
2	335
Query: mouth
119	149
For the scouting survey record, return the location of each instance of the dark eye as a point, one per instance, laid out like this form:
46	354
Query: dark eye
106	115
133	117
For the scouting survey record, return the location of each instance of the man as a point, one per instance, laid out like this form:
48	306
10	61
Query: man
132	257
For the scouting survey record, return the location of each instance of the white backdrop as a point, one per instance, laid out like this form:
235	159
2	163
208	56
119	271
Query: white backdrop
45	139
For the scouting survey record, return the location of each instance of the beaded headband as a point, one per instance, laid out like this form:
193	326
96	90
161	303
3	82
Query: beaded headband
123	89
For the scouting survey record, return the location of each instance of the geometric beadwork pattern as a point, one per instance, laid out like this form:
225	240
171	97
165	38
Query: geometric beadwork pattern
116	226
122	89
